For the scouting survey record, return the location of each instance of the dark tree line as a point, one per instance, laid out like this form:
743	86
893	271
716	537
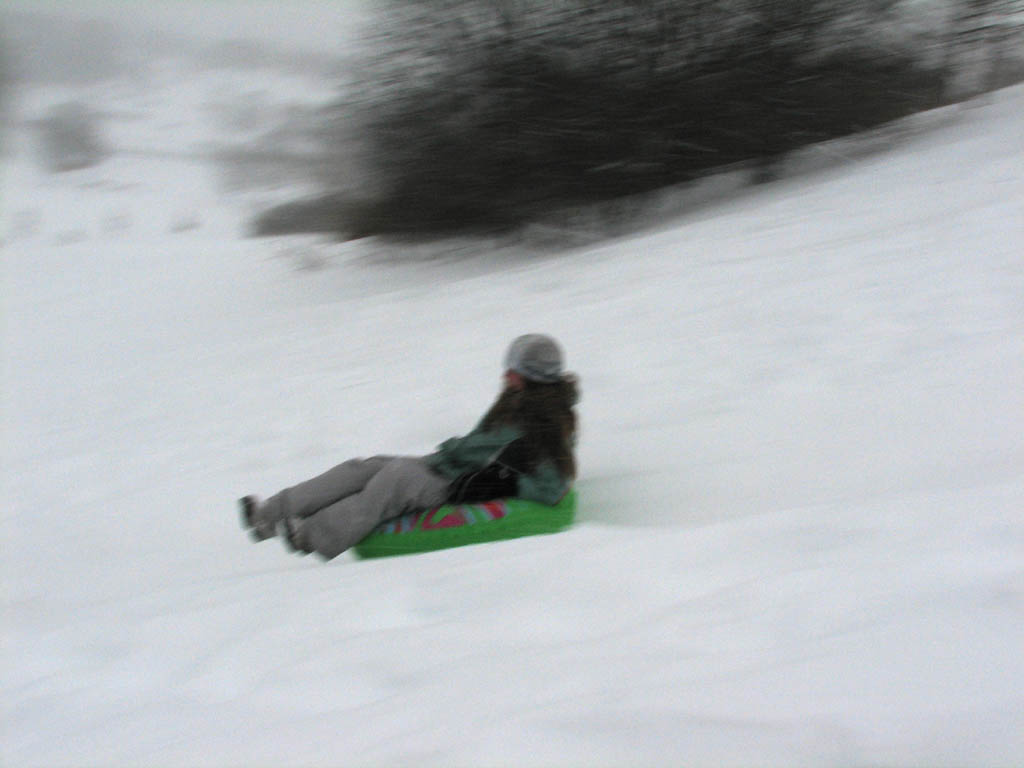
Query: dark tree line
486	113
981	39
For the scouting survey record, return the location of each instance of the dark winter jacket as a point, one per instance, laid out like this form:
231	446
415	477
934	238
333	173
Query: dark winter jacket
523	447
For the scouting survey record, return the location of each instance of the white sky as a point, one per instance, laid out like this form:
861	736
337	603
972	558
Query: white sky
309	24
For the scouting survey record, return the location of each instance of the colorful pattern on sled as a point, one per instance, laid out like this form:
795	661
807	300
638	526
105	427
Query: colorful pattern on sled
456	525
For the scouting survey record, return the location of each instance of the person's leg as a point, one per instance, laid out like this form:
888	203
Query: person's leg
402	485
309	497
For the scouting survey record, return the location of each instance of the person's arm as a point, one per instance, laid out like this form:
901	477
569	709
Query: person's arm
506	477
458	456
544	484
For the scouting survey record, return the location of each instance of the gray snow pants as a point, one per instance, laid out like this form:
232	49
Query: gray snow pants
341	506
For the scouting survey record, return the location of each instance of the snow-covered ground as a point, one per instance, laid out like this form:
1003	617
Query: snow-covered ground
801	539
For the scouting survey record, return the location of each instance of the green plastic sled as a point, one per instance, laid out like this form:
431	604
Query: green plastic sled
455	525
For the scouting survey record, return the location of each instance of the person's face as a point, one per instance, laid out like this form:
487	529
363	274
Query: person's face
513	380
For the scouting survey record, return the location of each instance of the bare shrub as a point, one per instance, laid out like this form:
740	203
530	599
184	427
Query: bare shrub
472	114
68	138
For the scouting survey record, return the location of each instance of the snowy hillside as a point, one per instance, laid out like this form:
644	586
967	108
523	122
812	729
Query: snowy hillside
801	537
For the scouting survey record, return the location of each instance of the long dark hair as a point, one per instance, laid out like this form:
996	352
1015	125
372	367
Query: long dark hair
544	412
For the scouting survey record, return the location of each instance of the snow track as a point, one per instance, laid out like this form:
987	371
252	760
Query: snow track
801	536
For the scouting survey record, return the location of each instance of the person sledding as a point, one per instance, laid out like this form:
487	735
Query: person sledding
521	448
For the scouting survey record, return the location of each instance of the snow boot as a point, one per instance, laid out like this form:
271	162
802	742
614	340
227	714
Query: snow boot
258	530
294	541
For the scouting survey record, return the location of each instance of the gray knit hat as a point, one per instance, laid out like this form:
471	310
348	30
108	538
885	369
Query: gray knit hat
535	357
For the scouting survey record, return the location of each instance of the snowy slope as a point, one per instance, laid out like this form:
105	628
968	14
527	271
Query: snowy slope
801	537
